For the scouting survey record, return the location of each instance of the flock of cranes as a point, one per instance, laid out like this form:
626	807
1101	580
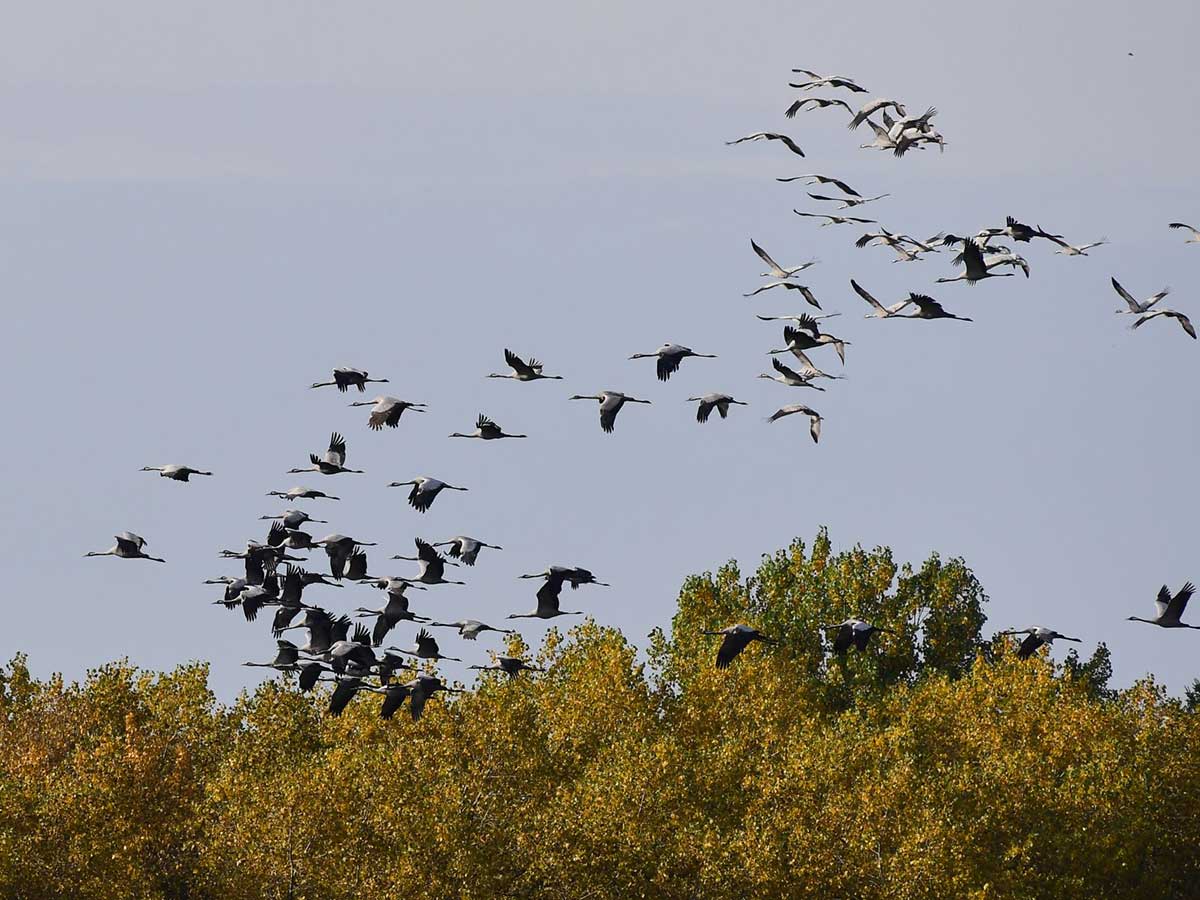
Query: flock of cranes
341	649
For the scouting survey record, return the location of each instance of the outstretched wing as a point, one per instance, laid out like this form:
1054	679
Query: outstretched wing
1180	601
765	257
517	364
336	454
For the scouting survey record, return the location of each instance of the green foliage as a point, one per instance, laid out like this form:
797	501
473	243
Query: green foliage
931	765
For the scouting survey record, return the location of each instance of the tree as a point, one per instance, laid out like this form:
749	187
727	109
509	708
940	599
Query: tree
929	765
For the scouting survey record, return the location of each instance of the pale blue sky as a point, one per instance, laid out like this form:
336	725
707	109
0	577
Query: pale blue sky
203	208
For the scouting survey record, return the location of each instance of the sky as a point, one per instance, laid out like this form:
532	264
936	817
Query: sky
204	207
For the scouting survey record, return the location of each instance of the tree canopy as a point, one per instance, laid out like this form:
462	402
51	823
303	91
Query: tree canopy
933	764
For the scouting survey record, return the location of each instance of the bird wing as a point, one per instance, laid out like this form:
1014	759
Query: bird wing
844	638
842	186
1134	306
668	365
1163	601
787	142
547	596
1029	646
858	289
733	644
483	423
767	287
926	304
823	197
776	269
336	453
786	371
704	410
973	260
1185	225
1180	601
1183	321
419	499
609	407
517	364
809	324
805	292
426	552
796	106
357	567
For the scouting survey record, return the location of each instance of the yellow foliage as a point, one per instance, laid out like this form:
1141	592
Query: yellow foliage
935	764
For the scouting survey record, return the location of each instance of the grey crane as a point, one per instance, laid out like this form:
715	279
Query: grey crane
287	657
1067	249
776	270
394	696
1194	239
1021	232
814	418
1137	307
547	606
333	462
424	491
852	632
791	377
387	411
975	268
835	220
560	575
470	629
927	307
486	430
425	647
805	335
302	493
393	612
770	136
669	357
128	546
1184	322
805	291
466	548
353	652
817	102
1037	637
340	549
345	690
611	403
523	370
709	402
813	178
323	631
848	202
1170	609
233	590
345	377
509	665
421	688
294	518
736	639
836	81
879	310
548	594
175	472
432	566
